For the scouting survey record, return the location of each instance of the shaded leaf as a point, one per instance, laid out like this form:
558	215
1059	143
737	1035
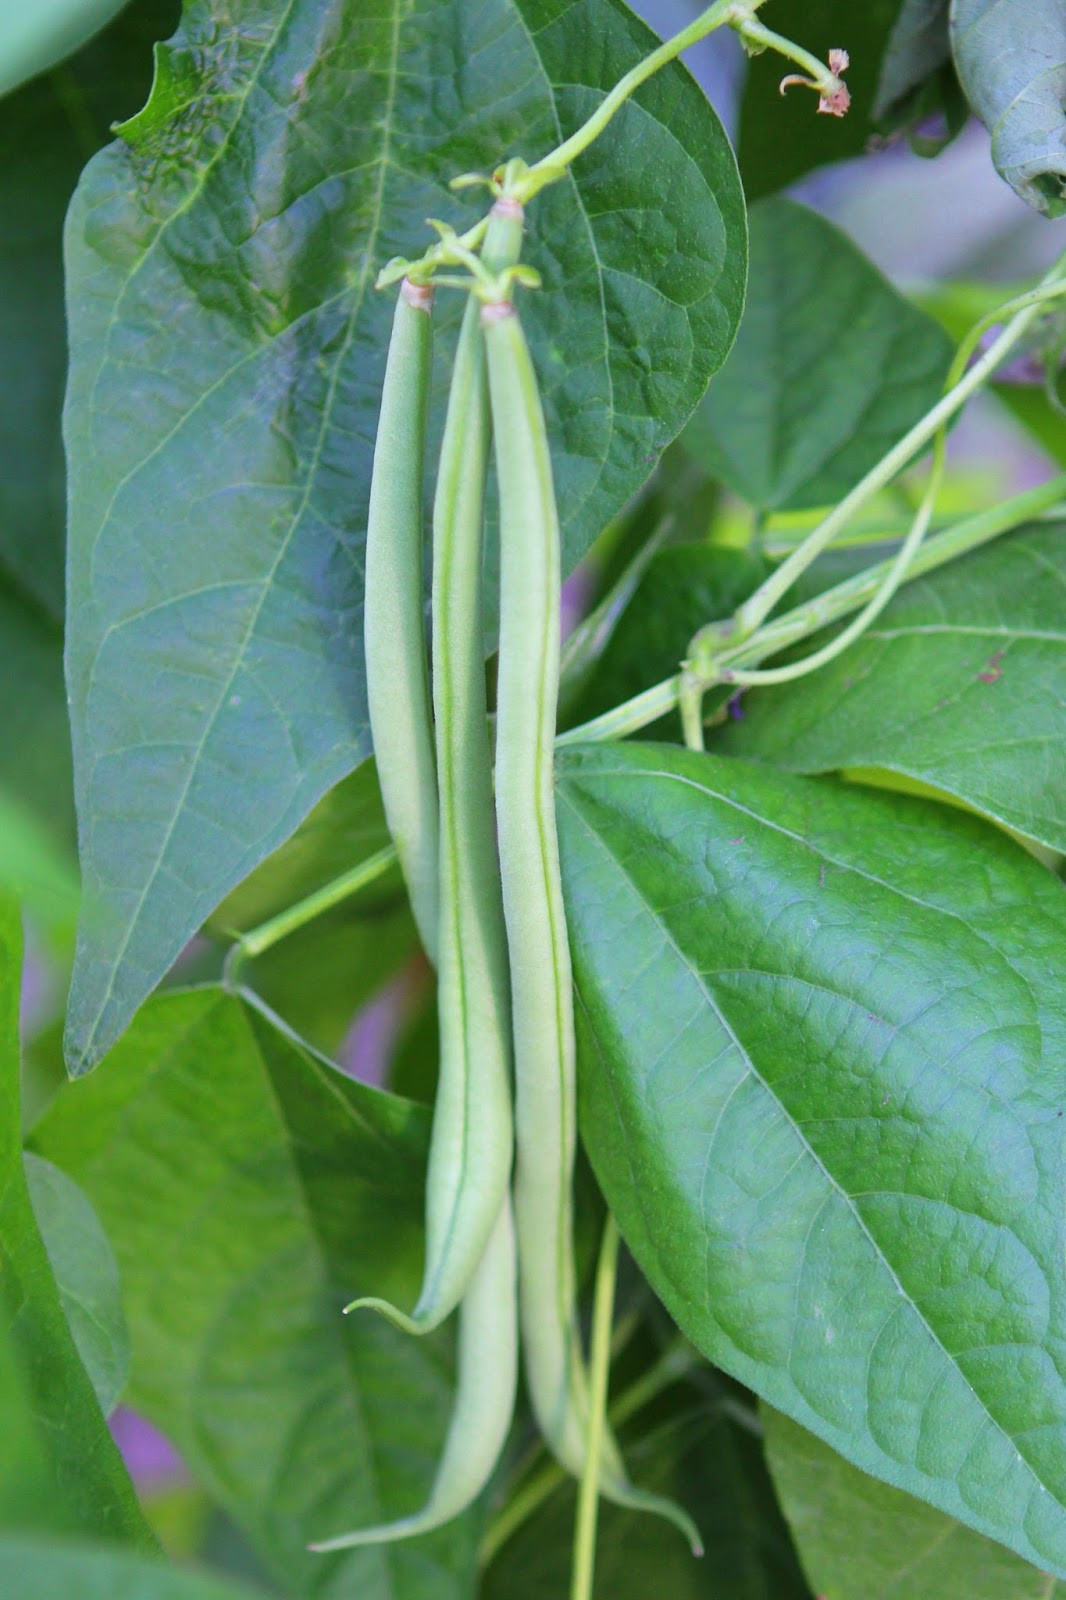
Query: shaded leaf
684	587
918	46
34	1570
830	368
275	1190
227	353
703	1459
958	684
822	1036
1011	60
861	1540
48	130
782	137
86	1276
59	1468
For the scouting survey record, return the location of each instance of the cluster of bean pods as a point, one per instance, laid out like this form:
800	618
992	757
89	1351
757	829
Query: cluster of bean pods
490	914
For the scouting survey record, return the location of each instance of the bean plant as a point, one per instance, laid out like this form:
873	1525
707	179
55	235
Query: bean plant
535	803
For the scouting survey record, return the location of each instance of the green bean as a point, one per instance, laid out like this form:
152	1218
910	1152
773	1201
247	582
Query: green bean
394	633
473	1135
541	977
485	1394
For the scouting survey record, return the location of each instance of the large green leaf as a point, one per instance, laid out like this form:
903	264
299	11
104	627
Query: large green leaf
33	1570
1011	60
59	1468
269	1191
860	1540
783	137
822	1039
830	368
226	362
706	1459
958	684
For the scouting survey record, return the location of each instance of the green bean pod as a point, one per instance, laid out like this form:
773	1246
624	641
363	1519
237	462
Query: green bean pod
541	976
485	1395
397	679
473	1134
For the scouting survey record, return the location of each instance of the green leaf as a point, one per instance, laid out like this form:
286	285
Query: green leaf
34	1570
86	1274
860	1540
48	130
822	1035
783	137
830	368
33	38
705	1458
274	1189
917	48
684	586
1012	64
59	1468
957	684
226	361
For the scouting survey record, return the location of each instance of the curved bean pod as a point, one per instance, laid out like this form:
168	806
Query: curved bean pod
473	1134
394	633
485	1394
541	977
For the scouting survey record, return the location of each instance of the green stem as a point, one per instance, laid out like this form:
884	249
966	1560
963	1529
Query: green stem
758	607
676	1360
588	1497
553	166
798	624
256	940
755	33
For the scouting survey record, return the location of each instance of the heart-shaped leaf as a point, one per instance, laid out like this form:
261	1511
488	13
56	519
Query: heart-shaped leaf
272	1190
226	360
957	684
822	1040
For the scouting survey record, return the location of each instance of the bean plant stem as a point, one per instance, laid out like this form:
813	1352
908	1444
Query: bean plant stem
834	604
671	1367
758	607
736	13
588	1498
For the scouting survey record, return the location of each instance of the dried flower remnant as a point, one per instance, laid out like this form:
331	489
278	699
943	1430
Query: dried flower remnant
834	97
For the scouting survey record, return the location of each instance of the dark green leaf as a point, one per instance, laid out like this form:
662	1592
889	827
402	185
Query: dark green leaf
1011	60
86	1275
227	352
822	1035
274	1190
830	368
705	1460
33	1570
860	1540
918	47
783	137
684	587
48	130
59	1468
959	684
